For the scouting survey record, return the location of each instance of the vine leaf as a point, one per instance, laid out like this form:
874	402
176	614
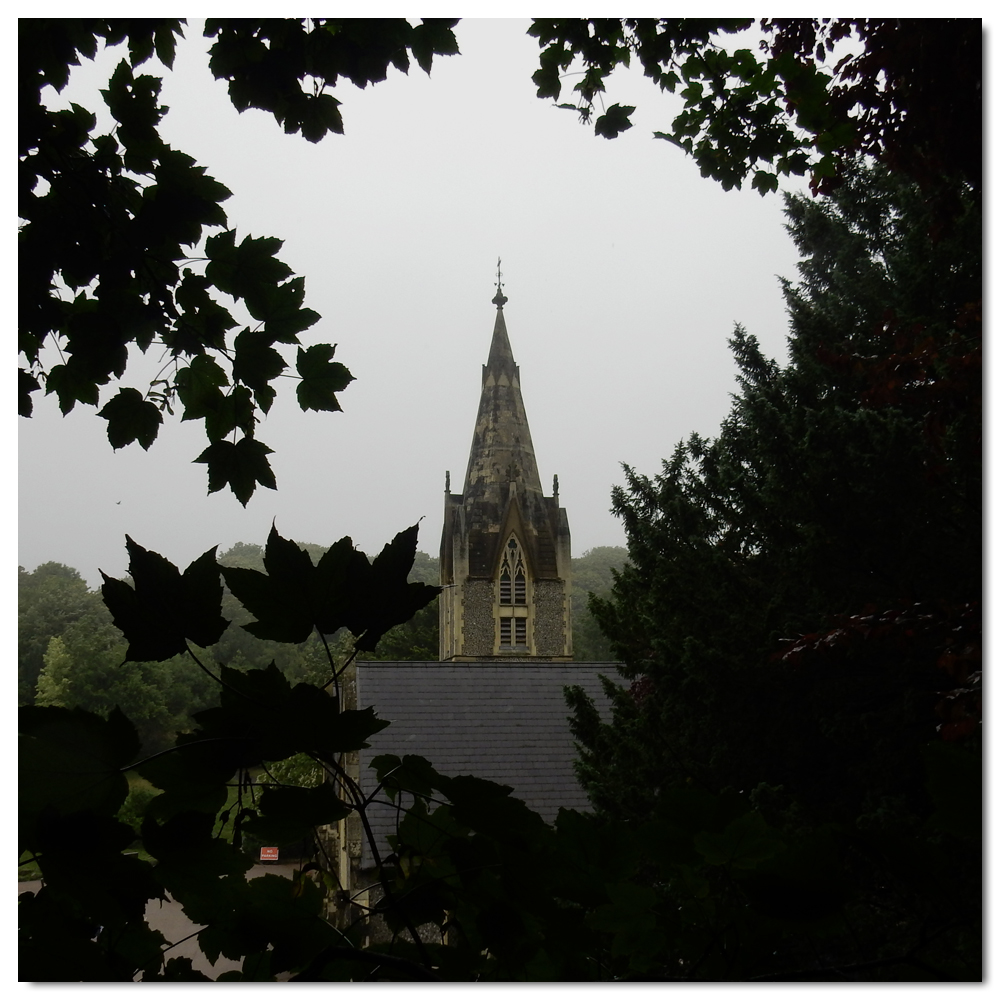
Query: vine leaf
289	814
261	717
407	774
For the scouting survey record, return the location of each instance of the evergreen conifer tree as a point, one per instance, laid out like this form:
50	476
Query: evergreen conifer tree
841	497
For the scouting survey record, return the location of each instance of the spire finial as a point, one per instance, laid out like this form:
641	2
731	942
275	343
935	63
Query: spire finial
499	299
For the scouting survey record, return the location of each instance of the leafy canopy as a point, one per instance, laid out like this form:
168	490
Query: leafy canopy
822	94
124	241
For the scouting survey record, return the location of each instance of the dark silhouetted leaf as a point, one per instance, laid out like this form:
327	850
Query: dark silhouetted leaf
614	121
199	387
26	385
131	418
240	466
322	378
257	363
288	814
165	609
71	760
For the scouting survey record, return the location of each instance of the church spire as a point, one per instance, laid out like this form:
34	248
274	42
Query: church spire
505	546
502	453
501	356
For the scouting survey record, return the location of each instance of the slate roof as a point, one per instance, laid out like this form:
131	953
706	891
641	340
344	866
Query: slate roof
505	722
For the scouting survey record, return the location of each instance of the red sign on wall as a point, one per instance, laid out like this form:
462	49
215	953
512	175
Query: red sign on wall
269	854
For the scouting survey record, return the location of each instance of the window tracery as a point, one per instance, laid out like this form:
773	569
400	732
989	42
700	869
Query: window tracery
513	585
513	594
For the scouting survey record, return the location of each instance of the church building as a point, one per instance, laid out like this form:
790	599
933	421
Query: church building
505	546
493	705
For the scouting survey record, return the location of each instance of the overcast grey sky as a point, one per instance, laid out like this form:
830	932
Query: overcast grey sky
624	268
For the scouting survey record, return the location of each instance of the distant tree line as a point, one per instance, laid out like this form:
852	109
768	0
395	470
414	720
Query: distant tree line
70	654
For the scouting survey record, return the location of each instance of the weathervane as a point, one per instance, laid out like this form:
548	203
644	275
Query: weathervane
499	299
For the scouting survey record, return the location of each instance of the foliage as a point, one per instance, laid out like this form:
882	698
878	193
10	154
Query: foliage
114	246
824	93
769	808
73	766
86	668
113	252
49	599
706	888
305	661
84	664
81	654
593	574
800	617
133	810
416	639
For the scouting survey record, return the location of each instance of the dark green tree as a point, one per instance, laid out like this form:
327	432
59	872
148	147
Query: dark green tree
804	588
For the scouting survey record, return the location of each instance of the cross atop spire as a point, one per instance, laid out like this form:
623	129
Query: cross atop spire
499	299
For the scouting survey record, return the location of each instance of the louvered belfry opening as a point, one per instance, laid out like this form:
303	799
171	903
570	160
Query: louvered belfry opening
512	567
512	593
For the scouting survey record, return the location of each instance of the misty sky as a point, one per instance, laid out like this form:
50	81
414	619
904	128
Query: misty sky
624	268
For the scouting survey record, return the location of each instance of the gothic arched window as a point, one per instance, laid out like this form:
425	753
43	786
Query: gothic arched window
513	596
513	588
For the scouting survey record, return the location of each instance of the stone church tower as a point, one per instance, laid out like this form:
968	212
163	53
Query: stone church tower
505	547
